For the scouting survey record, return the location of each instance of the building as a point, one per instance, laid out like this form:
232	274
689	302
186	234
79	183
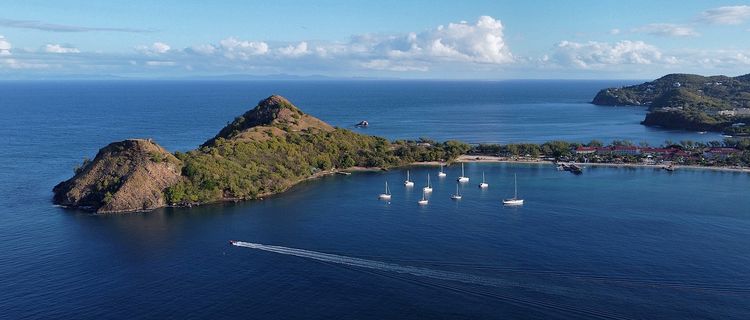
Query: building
719	153
585	150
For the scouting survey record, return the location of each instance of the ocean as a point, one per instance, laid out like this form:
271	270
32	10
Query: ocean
613	243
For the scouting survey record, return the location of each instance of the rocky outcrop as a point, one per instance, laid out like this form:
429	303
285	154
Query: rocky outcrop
124	176
272	116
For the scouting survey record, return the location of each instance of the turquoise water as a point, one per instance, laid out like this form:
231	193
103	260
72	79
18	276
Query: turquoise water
611	243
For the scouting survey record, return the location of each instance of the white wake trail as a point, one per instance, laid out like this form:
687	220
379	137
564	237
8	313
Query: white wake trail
385	266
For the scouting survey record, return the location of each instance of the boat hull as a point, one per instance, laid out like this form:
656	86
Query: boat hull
513	202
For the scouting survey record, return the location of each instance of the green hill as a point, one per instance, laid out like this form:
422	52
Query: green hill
265	151
685	101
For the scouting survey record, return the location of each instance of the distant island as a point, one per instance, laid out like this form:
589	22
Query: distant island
265	151
688	102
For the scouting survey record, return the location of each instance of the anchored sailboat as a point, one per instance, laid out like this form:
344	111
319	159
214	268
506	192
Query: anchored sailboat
515	201
441	174
408	182
428	188
462	178
457	195
422	202
387	194
483	184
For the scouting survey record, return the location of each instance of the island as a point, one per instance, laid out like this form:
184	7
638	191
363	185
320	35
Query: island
688	102
265	151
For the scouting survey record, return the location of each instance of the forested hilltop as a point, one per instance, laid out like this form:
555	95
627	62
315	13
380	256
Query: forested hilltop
688	102
264	151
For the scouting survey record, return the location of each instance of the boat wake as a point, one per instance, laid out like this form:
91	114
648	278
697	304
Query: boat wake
387	269
382	266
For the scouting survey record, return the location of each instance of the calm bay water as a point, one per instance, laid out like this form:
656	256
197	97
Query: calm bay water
612	243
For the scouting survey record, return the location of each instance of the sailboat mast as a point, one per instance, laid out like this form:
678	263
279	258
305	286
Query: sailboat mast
515	186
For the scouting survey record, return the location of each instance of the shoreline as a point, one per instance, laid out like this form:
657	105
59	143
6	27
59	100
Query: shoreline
496	159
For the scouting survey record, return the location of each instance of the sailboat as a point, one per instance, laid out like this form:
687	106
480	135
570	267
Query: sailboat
515	201
422	202
408	182
457	195
428	188
462	178
441	174
387	194
483	184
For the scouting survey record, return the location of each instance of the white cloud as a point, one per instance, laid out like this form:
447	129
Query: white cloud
4	46
593	55
243	50
156	48
153	63
18	64
57	48
204	49
387	65
482	42
726	15
294	51
667	30
615	31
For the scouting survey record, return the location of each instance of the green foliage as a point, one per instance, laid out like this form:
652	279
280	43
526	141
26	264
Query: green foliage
249	169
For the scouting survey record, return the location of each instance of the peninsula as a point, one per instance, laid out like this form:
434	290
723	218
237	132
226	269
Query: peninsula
265	151
688	102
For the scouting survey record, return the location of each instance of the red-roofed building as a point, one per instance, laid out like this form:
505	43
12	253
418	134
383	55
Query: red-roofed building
585	150
720	153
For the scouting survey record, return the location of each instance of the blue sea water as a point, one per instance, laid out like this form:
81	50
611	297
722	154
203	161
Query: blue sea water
611	243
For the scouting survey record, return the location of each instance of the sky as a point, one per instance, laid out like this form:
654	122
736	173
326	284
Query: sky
418	39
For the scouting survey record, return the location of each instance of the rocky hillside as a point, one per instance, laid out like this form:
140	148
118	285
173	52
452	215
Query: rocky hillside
684	101
129	175
681	90
264	151
272	116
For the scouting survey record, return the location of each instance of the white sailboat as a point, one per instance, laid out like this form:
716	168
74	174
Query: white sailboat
441	174
515	201
484	184
462	178
457	195
387	194
422	202
428	187
408	182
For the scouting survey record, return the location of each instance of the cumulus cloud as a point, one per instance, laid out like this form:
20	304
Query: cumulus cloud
233	48
4	46
481	42
57	48
726	15
294	50
667	30
594	54
155	48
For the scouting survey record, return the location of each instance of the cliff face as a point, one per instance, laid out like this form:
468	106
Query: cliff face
129	175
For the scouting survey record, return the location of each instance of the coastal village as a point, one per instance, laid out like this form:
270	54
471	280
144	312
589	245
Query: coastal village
688	153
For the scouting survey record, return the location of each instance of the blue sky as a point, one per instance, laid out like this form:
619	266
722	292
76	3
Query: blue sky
401	39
